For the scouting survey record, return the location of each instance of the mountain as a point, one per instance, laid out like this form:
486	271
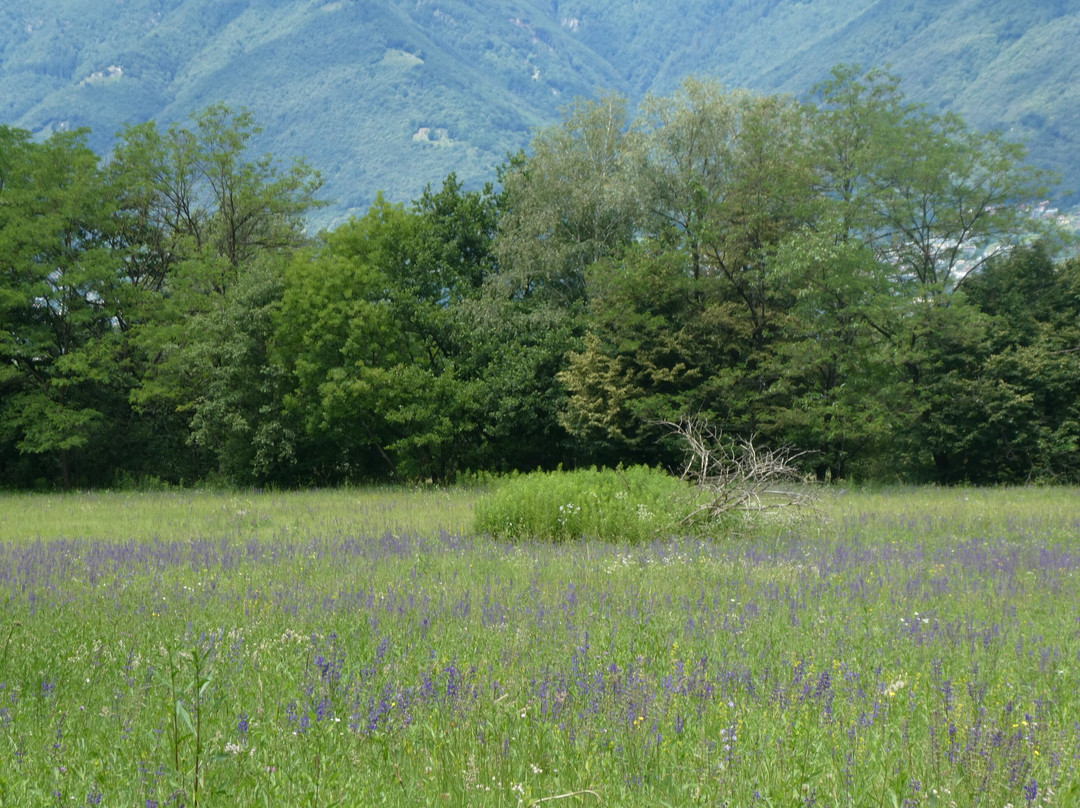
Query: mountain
392	94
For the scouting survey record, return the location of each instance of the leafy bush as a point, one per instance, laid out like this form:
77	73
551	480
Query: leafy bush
626	505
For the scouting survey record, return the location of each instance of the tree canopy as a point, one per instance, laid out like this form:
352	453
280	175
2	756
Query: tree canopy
847	274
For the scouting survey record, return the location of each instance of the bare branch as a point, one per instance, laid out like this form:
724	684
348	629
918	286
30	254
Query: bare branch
735	475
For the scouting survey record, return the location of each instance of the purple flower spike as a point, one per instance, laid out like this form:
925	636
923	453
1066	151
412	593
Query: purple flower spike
1031	791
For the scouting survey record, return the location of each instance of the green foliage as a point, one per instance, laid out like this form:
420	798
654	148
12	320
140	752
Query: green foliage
214	226
59	292
844	275
652	349
1030	383
631	505
337	337
516	348
207	199
370	331
798	273
239	416
833	364
570	204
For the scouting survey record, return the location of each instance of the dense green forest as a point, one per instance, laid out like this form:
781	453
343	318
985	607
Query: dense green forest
851	275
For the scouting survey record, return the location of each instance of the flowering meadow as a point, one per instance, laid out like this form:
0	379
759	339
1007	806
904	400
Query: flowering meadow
905	648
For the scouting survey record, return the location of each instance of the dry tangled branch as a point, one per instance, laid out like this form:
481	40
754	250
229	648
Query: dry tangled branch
735	476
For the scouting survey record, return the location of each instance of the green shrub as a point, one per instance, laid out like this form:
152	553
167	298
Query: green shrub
626	505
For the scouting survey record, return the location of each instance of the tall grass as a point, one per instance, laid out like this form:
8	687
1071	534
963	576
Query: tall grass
621	505
185	514
913	648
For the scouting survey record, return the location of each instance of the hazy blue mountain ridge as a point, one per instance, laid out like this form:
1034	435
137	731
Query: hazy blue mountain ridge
392	94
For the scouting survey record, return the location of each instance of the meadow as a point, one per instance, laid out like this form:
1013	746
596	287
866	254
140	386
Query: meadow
902	648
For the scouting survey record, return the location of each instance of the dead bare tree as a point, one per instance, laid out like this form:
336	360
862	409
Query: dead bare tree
733	476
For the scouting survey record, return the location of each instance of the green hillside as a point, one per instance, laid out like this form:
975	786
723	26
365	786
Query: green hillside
392	94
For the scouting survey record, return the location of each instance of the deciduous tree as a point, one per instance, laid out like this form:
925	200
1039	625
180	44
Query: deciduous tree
59	284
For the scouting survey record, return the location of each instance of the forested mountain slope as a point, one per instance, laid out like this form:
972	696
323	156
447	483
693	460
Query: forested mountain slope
393	94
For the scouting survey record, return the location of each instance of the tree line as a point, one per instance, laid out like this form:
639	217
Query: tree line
847	274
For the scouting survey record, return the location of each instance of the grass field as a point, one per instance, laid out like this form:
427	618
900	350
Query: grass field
905	648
